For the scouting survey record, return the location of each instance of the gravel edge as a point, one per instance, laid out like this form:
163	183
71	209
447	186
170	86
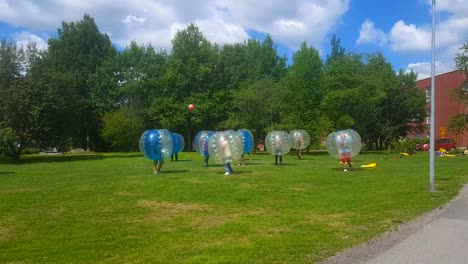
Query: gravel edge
370	249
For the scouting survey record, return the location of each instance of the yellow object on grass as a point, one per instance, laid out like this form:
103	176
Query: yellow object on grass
371	165
404	154
449	155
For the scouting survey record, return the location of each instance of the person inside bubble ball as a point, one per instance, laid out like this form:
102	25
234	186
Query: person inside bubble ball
241	160
345	152
206	155
227	154
278	150
157	165
299	143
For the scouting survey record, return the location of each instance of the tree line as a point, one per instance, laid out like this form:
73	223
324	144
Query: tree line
83	92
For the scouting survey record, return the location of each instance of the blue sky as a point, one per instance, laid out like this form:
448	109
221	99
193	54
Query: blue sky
399	28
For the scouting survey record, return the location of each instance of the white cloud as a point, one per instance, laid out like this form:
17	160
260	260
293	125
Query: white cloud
23	38
451	33
155	21
134	20
370	34
423	69
409	37
289	22
218	31
455	7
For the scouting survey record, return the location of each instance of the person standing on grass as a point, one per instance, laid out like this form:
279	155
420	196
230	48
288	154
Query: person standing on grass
201	144
345	151
227	155
278	143
299	142
157	165
156	145
247	141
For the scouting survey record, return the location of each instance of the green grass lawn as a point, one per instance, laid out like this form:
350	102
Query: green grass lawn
110	208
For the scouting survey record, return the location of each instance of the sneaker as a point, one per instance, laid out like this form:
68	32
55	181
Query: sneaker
227	173
345	170
156	172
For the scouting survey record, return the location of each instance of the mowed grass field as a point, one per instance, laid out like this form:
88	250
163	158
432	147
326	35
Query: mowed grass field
110	208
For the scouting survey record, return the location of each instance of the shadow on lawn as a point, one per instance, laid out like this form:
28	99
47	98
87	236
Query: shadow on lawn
7	172
169	171
72	157
353	169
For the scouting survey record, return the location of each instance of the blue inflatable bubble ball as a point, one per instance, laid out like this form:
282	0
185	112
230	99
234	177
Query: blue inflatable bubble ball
201	142
343	141
179	143
278	143
247	140
156	144
226	146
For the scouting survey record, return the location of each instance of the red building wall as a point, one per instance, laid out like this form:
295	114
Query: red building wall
445	105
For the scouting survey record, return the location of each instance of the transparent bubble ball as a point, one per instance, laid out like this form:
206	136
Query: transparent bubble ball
343	140
278	143
299	138
156	144
226	146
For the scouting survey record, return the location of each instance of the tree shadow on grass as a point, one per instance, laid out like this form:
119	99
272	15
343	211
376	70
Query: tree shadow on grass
7	172
377	152
235	172
57	158
169	171
72	157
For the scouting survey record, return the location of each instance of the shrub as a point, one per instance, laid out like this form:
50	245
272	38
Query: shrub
30	151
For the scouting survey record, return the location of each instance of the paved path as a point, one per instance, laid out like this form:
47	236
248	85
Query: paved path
440	237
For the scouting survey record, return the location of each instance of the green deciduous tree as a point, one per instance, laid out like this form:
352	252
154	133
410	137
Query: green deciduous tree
78	51
258	107
122	128
21	107
303	84
459	123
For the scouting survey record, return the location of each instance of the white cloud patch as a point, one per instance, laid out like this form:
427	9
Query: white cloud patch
23	38
455	7
218	31
288	22
409	37
156	21
450	34
423	69
134	20
370	34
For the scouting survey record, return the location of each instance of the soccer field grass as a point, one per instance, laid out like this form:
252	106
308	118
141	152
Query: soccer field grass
110	208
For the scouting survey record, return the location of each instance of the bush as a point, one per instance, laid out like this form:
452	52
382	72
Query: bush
30	151
122	129
405	145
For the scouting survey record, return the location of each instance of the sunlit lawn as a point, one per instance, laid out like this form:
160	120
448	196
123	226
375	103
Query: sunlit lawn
110	208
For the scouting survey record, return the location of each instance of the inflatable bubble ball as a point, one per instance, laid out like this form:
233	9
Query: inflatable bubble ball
299	138
343	141
278	143
226	146
156	144
247	140
179	143
201	142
